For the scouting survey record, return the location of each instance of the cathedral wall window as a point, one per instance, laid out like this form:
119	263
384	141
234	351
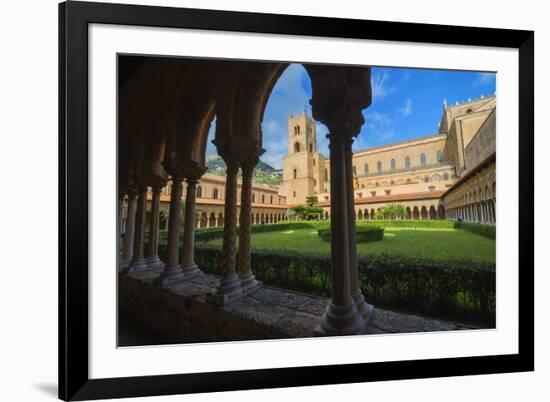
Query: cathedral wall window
393	165
422	159
379	166
407	162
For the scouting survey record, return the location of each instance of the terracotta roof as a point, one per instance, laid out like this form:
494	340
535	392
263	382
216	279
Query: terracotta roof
212	201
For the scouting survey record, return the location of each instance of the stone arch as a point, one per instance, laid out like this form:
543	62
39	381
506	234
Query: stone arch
220	220
203	220
408	213
416	213
212	220
424	212
432	213
360	215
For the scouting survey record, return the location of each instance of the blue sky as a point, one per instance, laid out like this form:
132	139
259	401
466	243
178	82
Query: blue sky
406	103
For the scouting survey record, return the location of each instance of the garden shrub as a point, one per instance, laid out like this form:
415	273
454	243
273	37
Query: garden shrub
461	290
488	231
363	234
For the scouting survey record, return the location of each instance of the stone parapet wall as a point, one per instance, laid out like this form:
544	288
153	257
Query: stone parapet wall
182	313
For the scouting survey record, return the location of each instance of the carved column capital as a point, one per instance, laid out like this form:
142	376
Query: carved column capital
174	167
194	172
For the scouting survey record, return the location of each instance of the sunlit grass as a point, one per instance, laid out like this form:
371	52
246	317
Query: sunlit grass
437	244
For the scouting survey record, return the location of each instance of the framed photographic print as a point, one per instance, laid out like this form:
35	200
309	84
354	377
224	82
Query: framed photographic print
258	200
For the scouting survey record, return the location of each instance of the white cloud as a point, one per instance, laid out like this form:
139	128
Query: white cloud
483	79
379	85
378	118
407	109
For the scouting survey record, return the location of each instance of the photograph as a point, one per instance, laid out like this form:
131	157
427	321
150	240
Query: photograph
262	199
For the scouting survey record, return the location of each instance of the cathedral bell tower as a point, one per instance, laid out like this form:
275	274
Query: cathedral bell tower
302	166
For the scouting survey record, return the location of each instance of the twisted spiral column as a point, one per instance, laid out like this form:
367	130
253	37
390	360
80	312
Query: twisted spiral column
230	284
172	271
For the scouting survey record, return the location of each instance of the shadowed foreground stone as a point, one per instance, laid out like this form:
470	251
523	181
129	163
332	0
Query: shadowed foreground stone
182	313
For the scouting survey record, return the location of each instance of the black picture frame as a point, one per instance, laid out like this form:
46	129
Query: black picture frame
74	18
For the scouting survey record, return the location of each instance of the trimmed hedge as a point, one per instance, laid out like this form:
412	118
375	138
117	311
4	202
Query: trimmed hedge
488	231
426	223
363	234
208	234
461	290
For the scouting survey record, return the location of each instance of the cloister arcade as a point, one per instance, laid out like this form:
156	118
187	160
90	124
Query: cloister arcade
166	109
474	198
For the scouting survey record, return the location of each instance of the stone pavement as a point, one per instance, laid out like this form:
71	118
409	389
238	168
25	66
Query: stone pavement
183	312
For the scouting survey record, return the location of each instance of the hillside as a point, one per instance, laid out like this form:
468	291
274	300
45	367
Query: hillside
263	174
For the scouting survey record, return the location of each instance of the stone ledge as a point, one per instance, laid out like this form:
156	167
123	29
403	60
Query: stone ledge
182	314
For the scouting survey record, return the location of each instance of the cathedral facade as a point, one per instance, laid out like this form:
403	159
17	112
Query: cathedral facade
430	176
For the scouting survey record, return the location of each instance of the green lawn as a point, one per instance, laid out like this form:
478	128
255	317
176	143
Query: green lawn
437	244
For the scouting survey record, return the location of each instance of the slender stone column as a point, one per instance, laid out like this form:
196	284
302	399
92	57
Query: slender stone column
172	271
188	265
138	262
341	316
230	284
362	307
248	280
130	227
153	260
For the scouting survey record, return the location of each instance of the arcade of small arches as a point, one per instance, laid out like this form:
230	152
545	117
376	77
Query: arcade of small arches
213	219
413	211
474	200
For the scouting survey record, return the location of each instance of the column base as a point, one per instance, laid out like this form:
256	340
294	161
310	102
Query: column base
230	289
137	265
363	308
340	320
170	276
191	271
249	283
155	263
125	260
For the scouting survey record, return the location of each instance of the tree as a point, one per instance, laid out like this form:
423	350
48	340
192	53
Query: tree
391	211
311	200
306	212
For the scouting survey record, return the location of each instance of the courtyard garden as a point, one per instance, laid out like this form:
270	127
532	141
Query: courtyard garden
441	269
